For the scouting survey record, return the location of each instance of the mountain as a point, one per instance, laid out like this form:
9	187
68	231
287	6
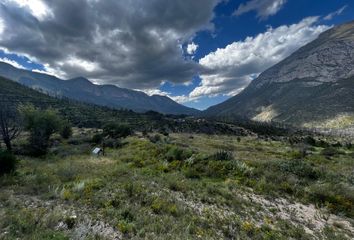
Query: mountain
83	90
314	87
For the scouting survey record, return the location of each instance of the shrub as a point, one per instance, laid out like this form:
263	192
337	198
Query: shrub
222	155
310	141
219	169
115	130
300	168
338	198
155	138
113	143
176	153
160	206
41	125
126	227
330	151
299	154
192	173
66	131
97	138
8	162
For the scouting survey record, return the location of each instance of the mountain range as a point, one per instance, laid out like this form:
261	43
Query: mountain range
314	87
81	89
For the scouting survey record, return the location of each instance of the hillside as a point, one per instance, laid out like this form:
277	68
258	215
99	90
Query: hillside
80	114
90	115
314	87
81	89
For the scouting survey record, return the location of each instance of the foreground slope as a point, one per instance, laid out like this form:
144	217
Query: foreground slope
83	90
183	183
312	87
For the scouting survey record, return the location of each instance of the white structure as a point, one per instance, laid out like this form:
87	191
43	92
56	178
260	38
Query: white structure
97	151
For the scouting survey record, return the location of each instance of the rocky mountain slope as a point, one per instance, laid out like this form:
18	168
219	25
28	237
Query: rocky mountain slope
312	87
83	90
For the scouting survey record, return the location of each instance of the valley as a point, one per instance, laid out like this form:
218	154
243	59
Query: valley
176	120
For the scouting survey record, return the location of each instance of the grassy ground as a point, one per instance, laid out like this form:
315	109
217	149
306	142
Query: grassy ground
181	187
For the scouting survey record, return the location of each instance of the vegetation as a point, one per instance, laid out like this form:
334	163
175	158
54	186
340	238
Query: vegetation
200	187
41	125
168	177
10	126
8	162
115	130
66	130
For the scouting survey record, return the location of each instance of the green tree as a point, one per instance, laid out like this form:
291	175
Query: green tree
115	130
66	130
41	124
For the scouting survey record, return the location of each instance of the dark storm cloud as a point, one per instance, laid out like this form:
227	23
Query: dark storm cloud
131	43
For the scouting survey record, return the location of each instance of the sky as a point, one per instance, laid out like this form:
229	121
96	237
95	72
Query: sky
198	52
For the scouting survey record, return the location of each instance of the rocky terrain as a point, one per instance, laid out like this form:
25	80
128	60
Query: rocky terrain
314	87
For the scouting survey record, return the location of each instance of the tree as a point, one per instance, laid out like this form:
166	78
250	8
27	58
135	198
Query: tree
115	130
10	126
66	131
41	124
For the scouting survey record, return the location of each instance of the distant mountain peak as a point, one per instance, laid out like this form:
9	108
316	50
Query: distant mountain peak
82	89
313	85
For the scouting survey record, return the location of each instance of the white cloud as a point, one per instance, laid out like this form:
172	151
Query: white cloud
12	62
184	99
151	92
192	48
81	64
36	7
230	69
264	8
2	27
180	99
336	13
51	71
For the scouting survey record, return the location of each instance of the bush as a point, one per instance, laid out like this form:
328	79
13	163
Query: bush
161	206
300	168
192	173
222	155
8	162
330	152
155	138
97	138
176	153
338	198
66	131
41	125
115	130
113	143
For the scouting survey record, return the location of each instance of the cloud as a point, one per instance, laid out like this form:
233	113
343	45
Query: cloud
228	70
2	27
12	62
264	8
192	48
134	44
36	7
152	92
336	13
